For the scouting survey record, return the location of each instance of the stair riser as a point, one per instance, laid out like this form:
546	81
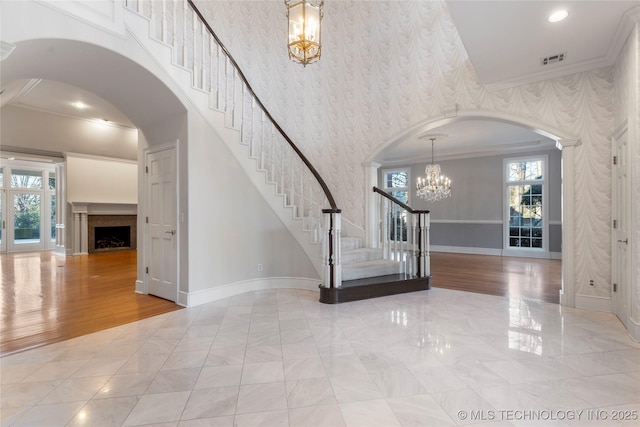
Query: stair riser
355	256
353	273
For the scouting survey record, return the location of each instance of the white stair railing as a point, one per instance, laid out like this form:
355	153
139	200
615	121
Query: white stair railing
196	48
404	234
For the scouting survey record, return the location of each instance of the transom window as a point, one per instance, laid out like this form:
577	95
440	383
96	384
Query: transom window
525	203
21	178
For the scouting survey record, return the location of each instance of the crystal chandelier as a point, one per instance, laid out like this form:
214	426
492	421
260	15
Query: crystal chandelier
304	18
434	186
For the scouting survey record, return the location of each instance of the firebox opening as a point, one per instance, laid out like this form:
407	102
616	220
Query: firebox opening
113	237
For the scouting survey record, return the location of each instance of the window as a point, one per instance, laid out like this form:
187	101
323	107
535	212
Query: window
52	180
21	178
396	183
525	203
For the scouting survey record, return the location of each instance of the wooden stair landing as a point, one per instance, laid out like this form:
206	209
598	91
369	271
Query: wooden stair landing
373	287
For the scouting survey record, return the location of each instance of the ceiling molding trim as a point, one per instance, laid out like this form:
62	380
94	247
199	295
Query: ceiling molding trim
629	19
5	49
30	154
26	89
71	116
560	71
470	154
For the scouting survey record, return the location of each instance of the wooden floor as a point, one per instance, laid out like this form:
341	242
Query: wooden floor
505	276
48	298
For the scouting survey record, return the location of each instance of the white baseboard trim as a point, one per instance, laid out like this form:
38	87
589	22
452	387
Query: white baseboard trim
525	253
634	329
196	298
590	302
140	287
466	250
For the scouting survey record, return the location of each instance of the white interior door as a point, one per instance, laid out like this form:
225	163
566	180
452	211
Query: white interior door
161	246
621	262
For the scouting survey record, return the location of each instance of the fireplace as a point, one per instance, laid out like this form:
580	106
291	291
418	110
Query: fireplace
107	233
118	237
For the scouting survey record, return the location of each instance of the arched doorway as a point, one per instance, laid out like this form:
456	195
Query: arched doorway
131	88
563	141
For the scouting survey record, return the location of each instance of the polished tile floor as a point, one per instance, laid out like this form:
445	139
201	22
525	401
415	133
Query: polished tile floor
280	358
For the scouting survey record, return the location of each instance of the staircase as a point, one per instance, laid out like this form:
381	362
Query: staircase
399	265
176	34
359	262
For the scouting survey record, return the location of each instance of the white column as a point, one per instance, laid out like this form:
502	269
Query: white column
80	229
567	293
61	209
372	211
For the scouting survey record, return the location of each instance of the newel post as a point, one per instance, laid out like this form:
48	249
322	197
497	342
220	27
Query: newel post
423	256
331	249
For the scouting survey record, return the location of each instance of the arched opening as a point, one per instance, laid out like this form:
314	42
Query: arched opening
536	136
154	116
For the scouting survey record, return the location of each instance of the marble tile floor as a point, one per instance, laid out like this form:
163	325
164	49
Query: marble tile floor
280	358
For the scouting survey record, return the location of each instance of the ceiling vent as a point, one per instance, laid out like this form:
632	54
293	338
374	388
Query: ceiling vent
553	59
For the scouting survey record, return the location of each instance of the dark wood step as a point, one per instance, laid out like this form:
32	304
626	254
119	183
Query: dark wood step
373	287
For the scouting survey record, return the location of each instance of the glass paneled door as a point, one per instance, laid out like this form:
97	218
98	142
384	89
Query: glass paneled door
27	221
27	207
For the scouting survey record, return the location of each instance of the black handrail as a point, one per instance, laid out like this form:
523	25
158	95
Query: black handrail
313	170
398	202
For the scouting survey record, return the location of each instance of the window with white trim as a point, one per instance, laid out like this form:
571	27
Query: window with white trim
526	203
396	183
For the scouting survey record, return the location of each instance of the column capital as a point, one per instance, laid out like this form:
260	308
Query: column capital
568	143
371	164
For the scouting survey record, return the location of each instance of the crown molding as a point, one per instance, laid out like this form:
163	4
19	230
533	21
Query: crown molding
629	19
5	49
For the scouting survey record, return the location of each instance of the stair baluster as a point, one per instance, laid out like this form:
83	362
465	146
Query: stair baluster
404	234
197	49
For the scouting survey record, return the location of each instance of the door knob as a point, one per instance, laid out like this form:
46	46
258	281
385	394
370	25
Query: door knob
172	232
625	241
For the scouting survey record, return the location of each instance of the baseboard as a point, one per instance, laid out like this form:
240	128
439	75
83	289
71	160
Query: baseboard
590	302
634	329
196	298
466	250
140	287
531	254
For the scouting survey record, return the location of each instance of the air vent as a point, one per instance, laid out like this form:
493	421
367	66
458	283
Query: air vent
560	57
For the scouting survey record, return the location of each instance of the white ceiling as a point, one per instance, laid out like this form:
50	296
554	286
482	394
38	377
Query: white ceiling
59	98
504	40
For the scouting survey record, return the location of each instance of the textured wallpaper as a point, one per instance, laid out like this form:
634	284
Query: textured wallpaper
389	65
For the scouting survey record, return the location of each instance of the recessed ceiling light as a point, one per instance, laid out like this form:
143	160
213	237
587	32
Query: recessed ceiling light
558	15
80	105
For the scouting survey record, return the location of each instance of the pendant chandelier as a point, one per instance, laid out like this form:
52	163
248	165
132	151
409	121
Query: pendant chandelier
434	186
304	18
